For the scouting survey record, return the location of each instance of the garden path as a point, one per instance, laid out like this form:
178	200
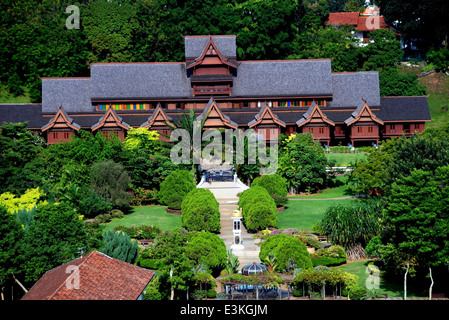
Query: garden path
226	193
251	250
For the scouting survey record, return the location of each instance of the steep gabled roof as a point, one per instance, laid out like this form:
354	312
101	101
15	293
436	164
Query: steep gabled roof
363	113
213	117
194	45
61	121
94	276
158	118
266	116
314	115
110	119
211	49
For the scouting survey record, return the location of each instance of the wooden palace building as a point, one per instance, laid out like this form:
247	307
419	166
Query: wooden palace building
272	97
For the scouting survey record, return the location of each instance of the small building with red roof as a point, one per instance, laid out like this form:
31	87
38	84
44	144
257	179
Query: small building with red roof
94	276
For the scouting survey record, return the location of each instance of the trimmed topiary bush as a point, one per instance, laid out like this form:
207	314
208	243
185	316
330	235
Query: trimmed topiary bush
200	211
258	209
208	249
175	187
276	187
285	248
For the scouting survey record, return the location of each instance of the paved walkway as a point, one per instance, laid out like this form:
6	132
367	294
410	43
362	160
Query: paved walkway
251	250
226	194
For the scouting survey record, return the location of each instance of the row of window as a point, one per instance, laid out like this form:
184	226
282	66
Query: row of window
245	104
125	106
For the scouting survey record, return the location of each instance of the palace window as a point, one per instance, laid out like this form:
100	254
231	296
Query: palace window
370	129
321	130
124	106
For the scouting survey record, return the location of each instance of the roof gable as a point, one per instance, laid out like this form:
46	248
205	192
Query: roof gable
213	117
61	121
100	278
363	113
158	119
210	50
110	119
266	116
314	115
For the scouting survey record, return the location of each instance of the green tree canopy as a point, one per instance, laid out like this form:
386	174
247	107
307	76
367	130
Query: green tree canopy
200	211
56	235
208	249
285	248
275	185
175	187
21	163
302	163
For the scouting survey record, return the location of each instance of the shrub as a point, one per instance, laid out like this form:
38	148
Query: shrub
284	248
260	215
332	256
119	245
200	211
353	226
175	187
276	187
357	293
140	232
258	209
208	249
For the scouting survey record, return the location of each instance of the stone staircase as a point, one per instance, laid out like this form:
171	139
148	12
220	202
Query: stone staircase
225	191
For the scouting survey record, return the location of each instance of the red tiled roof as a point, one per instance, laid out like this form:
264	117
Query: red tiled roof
100	278
341	18
370	23
361	23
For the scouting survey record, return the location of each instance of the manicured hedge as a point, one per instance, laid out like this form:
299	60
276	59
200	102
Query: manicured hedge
175	187
275	185
200	211
332	256
285	248
258	209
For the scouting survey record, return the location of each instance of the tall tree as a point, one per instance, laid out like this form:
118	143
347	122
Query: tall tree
110	28
11	234
417	210
421	19
55	236
21	161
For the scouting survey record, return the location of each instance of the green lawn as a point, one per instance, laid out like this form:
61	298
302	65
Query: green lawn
393	289
147	215
345	159
303	214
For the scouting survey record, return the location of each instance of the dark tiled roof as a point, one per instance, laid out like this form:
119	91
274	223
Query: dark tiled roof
100	278
283	78
139	81
74	94
32	113
404	109
350	88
